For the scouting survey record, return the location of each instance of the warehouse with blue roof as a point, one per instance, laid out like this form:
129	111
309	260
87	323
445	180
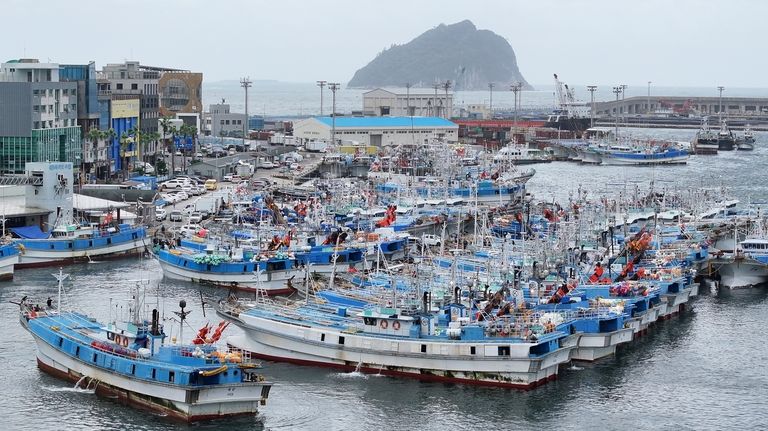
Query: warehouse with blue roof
378	131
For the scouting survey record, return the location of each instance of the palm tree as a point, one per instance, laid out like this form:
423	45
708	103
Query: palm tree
169	129
108	135
125	142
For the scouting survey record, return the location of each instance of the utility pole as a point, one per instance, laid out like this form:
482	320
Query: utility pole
448	106
720	104
333	86
408	98
434	104
246	84
648	110
592	89
490	103
321	84
617	91
516	88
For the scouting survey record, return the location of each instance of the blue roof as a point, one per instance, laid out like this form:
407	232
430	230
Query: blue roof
387	122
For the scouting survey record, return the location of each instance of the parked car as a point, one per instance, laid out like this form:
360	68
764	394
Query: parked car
430	240
195	217
189	229
175	216
177	183
182	195
160	214
199	155
211	184
266	164
227	178
171	198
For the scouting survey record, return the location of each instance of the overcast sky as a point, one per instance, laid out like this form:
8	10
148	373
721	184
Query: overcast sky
605	42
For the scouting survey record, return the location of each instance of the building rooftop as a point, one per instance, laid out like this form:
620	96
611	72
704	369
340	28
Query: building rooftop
373	122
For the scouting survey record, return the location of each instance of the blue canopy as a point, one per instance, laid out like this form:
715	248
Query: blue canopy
30	232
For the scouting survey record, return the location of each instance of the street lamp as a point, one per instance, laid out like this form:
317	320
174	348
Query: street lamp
516	88
246	84
333	86
321	84
648	108
623	107
490	102
592	89
720	104
617	90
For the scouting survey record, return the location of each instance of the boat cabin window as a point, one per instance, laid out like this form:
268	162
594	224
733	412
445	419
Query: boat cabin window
154	373
471	350
423	348
61	341
341	340
370	321
322	337
504	350
133	368
95	357
171	376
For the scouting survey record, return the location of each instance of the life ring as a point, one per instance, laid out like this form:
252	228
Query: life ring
118	339
384	324
125	341
396	325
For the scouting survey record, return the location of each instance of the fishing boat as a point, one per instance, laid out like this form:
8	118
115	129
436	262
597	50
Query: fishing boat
269	272
9	256
748	267
519	351
725	139
653	155
746	142
131	361
71	243
705	141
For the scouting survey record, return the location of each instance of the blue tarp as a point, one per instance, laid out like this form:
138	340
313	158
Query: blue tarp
30	232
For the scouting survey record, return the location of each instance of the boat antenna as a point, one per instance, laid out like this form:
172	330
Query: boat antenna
60	277
182	315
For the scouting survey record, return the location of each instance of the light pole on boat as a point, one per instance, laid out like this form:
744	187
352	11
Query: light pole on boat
333	86
592	89
321	84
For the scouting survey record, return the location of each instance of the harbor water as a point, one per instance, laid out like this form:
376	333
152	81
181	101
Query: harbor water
702	370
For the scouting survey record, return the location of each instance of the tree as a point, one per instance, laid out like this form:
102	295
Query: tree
108	135
169	129
125	142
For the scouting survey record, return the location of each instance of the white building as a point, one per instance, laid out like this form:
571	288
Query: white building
379	131
380	102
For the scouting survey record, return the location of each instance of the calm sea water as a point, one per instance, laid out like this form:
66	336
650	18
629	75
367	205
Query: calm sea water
704	370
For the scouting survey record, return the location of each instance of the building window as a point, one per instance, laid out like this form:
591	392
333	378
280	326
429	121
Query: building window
222	122
134	86
119	86
66	92
227	122
37	125
74	92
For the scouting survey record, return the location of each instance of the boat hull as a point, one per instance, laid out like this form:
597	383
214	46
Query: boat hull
281	342
594	346
272	282
209	403
34	258
743	273
6	267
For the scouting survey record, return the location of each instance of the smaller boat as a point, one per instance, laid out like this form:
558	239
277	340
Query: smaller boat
130	360
746	142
